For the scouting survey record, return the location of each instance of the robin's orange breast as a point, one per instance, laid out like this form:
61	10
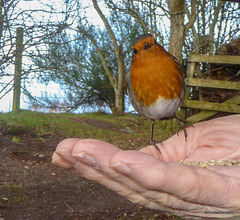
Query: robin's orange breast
154	76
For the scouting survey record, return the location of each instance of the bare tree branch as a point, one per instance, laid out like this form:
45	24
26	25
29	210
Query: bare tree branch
213	24
104	63
195	34
138	17
109	29
193	16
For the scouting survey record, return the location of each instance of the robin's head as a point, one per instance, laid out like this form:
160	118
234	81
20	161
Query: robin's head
145	46
143	42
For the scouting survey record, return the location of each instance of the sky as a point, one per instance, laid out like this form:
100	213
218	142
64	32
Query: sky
35	88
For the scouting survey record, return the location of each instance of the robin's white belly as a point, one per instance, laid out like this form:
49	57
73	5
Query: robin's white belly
161	109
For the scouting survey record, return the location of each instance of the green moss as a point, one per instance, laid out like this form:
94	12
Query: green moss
11	193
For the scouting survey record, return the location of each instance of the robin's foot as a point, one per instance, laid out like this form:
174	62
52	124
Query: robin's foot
183	127
155	145
152	142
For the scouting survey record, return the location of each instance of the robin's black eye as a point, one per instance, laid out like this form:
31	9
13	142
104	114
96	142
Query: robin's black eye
146	46
135	51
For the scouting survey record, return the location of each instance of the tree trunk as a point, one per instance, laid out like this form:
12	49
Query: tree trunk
177	28
117	83
176	40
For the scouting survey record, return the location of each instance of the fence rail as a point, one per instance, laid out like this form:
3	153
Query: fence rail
208	109
222	59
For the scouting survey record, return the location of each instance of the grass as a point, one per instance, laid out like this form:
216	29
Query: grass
11	193
127	131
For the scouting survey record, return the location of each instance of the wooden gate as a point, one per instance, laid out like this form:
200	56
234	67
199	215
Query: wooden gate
209	108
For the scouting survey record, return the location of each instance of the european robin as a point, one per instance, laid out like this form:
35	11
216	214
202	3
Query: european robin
155	81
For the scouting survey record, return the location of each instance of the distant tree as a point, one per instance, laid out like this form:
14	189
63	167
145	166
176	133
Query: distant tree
75	66
117	39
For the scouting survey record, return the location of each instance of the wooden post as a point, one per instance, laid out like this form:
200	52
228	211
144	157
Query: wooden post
18	69
182	114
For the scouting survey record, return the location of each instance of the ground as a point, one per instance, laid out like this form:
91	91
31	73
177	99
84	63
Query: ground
31	187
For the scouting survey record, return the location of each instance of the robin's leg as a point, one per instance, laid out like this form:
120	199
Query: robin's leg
182	126
151	138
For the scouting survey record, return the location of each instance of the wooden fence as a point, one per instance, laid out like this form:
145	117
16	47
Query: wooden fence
209	108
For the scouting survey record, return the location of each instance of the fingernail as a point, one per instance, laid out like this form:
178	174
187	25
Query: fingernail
87	159
59	163
122	168
62	151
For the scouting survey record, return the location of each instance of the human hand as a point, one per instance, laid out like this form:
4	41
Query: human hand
159	181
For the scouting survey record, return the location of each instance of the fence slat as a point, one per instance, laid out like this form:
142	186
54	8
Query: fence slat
210	83
221	107
204	58
208	113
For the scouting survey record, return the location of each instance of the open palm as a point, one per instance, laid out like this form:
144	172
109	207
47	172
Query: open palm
159	181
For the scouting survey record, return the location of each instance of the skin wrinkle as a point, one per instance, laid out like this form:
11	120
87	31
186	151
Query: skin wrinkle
150	183
104	178
228	171
153	200
199	185
177	151
172	203
222	146
218	136
140	190
195	194
168	205
191	191
228	188
133	195
195	142
144	199
153	190
170	200
211	142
